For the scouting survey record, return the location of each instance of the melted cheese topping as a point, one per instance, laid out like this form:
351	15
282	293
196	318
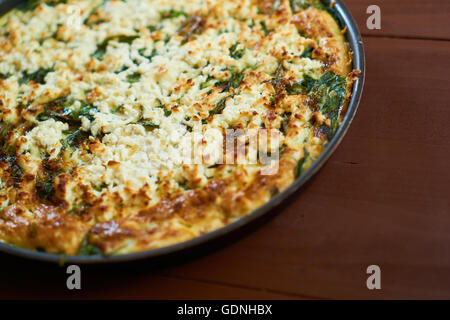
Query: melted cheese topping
100	101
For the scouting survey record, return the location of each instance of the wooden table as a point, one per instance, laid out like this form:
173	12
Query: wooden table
382	198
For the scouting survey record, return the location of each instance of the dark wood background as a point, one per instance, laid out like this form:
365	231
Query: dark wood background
382	198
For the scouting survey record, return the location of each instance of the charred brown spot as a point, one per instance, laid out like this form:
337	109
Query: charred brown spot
61	182
113	163
14	170
267	6
178	206
354	74
312	104
194	25
93	95
271	115
322	132
23	195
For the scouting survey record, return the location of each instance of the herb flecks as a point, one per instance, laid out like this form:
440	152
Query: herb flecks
206	83
265	29
234	81
194	25
307	53
134	77
285	118
37	76
88	249
80	208
46	180
171	14
299	5
301	163
33	4
59	109
236	53
167	112
150	57
74	138
101	48
149	125
277	81
220	106
93	17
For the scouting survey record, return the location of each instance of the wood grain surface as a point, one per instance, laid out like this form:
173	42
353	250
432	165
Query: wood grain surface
427	19
383	198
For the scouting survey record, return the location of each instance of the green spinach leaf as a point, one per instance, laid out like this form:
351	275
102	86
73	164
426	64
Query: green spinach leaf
299	168
233	81
170	14
307	53
148	57
134	77
37	77
88	249
147	124
75	138
236	53
220	106
328	93
101	48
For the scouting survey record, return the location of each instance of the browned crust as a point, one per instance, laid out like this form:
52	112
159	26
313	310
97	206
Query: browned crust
332	49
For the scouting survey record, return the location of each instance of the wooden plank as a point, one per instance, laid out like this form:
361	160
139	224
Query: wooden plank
27	280
405	18
383	198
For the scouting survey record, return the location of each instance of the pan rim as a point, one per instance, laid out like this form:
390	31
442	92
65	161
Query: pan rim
354	39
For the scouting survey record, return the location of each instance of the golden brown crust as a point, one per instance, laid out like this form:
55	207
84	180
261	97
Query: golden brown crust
332	49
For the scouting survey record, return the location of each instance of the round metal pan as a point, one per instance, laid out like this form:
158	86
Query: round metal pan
354	40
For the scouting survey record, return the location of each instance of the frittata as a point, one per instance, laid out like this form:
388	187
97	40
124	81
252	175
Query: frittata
99	101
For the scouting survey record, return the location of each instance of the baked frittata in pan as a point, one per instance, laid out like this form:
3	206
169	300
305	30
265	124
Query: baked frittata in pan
99	101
